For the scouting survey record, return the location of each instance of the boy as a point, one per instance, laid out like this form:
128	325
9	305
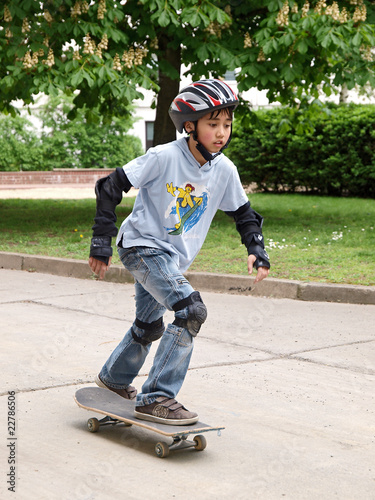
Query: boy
181	186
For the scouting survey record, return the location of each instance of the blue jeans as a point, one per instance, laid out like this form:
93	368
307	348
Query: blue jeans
158	286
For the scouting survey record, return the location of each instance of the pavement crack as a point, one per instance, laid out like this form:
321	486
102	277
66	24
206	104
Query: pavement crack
242	346
355	369
47	387
71	309
232	363
275	357
357	342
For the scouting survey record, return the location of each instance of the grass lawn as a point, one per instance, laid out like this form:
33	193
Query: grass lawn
308	238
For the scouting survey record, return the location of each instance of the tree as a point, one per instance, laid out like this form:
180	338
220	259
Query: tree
108	50
63	143
82	144
20	146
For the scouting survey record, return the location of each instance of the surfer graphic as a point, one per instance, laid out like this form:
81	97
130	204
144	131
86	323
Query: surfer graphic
184	199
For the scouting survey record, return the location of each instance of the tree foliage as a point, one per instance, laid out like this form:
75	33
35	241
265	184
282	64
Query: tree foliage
83	143
108	49
20	146
65	143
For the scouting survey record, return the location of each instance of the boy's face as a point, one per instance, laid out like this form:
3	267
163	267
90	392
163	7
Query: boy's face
213	132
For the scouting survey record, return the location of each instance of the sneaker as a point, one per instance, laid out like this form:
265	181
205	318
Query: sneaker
166	411
129	393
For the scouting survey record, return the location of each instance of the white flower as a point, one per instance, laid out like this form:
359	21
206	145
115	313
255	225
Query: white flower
337	236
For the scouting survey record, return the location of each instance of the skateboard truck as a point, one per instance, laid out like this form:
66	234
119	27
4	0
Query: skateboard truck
93	424
162	449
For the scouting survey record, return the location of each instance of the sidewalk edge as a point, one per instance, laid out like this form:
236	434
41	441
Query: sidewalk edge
219	283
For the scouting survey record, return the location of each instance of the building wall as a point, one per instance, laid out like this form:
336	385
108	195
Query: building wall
58	176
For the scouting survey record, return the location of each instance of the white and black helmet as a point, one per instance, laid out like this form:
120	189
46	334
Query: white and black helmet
198	99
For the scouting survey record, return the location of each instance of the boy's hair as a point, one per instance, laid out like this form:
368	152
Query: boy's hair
228	111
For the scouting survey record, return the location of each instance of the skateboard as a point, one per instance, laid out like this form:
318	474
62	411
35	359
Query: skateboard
117	410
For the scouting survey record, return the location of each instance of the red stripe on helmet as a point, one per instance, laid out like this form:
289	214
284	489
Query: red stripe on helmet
215	101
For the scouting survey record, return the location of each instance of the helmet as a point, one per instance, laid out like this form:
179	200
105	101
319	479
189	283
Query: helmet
200	98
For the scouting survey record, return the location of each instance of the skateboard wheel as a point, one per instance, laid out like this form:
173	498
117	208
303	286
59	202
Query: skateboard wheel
93	424
200	442
162	449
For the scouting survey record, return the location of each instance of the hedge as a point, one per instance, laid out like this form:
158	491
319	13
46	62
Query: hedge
337	158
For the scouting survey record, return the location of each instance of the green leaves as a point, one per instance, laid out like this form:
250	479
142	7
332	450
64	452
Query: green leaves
301	52
289	73
302	46
324	153
193	16
357	39
88	140
77	79
162	19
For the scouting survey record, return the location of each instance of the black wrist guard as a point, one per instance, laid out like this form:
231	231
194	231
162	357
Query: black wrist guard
262	258
101	248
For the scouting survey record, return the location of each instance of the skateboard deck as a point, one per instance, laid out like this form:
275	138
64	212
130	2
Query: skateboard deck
117	410
184	218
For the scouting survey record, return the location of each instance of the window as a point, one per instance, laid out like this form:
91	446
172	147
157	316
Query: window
149	134
230	76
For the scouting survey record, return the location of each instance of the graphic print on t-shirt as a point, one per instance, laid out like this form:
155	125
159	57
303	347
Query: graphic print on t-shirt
188	207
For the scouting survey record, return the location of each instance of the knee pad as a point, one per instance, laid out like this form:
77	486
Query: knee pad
197	313
153	331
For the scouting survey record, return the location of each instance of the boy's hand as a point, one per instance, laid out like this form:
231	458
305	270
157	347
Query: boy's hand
99	267
262	271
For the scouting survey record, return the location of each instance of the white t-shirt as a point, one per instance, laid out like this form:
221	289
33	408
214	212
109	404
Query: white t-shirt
178	199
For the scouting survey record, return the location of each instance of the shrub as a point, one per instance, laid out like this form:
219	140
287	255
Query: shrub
66	143
81	145
20	147
336	158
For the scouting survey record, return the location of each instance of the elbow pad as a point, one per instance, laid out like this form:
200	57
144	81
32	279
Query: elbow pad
108	192
109	189
248	222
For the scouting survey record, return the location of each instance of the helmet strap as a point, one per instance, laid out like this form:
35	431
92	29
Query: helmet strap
203	151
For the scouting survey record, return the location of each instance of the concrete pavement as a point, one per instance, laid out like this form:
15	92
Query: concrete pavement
291	380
